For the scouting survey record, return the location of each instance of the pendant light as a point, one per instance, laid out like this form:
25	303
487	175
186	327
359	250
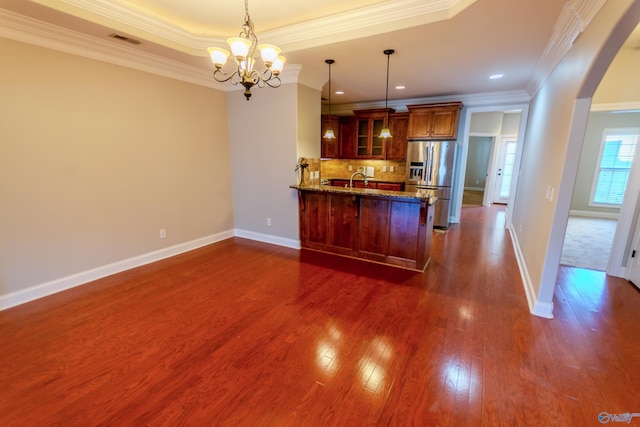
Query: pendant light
386	132
329	132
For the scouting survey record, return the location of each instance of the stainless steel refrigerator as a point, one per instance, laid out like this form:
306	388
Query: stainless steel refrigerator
430	167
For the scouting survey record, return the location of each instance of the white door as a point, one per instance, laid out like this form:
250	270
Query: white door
634	261
504	173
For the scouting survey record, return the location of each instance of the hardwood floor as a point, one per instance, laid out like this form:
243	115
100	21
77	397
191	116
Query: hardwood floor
242	333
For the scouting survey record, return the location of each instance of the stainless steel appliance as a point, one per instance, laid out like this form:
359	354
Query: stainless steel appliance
430	167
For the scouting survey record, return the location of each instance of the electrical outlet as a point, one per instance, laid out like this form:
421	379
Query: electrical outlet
163	233
393	168
549	193
350	168
268	222
384	169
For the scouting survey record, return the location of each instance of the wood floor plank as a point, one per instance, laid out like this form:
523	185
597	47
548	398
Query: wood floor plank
242	333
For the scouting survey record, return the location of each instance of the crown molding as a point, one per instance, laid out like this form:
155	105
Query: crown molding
364	22
20	28
376	19
617	106
468	100
574	18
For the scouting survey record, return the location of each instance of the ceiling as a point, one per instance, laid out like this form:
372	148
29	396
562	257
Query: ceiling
443	47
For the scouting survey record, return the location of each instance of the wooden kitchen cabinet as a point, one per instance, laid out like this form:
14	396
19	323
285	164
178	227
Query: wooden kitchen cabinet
347	137
369	123
397	144
388	186
434	121
330	223
330	147
385	229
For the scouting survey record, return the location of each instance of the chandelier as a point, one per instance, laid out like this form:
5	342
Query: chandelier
243	49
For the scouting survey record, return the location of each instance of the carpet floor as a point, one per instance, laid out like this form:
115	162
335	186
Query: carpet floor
588	242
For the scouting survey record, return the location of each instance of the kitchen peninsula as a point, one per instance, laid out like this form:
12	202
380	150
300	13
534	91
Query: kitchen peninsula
389	227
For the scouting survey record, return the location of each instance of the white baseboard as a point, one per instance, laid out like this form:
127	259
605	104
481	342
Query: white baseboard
42	290
591	214
268	238
536	307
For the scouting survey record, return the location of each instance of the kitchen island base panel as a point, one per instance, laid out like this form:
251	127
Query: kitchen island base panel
388	230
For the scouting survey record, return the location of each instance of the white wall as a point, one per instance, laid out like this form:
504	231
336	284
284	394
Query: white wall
95	159
555	132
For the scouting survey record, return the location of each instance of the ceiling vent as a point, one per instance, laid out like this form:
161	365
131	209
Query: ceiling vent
124	38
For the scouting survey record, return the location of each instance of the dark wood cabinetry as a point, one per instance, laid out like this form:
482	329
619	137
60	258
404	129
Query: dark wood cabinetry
369	124
330	147
397	144
390	230
388	186
434	121
347	137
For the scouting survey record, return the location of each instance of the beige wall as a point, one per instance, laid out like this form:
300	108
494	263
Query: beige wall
621	83
95	159
264	151
555	131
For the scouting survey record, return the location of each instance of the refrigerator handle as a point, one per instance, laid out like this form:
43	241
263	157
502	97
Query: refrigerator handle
430	164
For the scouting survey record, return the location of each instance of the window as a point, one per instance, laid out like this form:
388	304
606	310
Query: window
617	152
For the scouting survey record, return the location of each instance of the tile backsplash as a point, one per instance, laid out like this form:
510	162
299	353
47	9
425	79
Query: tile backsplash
339	168
312	173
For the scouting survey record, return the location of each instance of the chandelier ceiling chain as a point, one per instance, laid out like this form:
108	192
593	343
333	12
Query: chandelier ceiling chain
243	49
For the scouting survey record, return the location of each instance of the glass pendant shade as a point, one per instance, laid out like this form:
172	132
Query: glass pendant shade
269	53
385	132
218	56
328	134
239	47
278	65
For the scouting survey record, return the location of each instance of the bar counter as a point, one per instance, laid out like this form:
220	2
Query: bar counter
389	227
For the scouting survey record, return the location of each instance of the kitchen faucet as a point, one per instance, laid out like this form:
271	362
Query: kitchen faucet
354	174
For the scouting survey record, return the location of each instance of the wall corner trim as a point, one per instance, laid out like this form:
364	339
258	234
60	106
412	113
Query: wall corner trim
537	308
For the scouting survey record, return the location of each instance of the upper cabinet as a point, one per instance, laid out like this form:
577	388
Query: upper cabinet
397	144
434	121
348	137
369	124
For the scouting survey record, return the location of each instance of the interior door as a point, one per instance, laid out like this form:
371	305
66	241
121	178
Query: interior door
506	160
634	261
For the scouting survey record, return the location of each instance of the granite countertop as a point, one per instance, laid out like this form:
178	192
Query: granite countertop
422	195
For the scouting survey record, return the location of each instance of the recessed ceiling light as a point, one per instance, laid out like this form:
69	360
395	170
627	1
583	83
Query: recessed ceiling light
339	92
496	76
400	87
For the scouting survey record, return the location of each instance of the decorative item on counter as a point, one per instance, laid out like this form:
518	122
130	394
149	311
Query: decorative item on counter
300	167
